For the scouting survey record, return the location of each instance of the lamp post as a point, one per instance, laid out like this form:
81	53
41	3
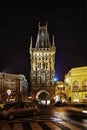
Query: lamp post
56	96
9	93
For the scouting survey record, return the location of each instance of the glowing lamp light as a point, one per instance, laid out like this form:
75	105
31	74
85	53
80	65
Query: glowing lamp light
55	79
67	80
8	91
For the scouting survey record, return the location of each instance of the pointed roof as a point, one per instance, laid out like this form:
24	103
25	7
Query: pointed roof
43	37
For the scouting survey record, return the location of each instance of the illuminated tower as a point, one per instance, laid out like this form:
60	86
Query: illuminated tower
42	66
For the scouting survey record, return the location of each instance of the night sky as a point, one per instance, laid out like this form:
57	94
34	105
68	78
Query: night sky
19	21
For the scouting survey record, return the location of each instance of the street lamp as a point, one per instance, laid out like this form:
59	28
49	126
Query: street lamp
9	93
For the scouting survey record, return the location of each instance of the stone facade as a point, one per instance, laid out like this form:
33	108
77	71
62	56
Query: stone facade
42	73
13	87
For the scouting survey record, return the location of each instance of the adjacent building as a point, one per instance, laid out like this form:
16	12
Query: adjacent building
13	87
61	92
76	83
42	56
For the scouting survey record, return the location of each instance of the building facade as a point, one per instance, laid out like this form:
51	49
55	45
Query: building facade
13	87
42	73
76	83
61	92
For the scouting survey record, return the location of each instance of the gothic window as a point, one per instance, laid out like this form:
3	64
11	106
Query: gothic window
39	65
38	80
43	64
47	76
75	86
84	85
42	58
46	65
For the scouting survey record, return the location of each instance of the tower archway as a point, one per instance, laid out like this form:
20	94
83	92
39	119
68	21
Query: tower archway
43	97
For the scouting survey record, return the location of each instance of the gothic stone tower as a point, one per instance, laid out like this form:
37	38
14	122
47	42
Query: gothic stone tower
42	67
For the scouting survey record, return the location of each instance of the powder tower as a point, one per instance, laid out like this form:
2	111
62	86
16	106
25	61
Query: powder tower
42	73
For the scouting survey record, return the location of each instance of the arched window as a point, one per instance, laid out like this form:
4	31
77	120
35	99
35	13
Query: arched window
46	65
75	85
84	85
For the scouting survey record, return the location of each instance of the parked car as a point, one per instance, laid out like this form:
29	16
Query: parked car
12	110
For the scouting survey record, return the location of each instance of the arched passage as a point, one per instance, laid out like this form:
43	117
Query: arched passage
43	97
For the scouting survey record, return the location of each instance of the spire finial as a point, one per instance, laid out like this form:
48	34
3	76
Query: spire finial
53	38
31	42
53	41
46	24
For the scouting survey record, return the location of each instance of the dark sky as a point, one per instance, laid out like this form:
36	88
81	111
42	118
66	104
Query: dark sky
66	20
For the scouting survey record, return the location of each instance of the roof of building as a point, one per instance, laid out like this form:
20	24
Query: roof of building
78	71
43	37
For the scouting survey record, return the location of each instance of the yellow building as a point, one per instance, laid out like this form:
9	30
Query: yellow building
13	87
76	83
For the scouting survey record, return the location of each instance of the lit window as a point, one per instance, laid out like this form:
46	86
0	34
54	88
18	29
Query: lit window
75	85
84	85
85	96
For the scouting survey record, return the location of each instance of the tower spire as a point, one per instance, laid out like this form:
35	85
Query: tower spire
31	42
42	37
53	44
46	25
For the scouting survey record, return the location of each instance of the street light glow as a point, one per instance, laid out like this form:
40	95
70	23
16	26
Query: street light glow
55	79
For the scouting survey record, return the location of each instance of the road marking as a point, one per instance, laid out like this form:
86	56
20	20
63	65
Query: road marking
42	123
80	123
70	126
63	125
17	126
52	126
35	126
5	126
